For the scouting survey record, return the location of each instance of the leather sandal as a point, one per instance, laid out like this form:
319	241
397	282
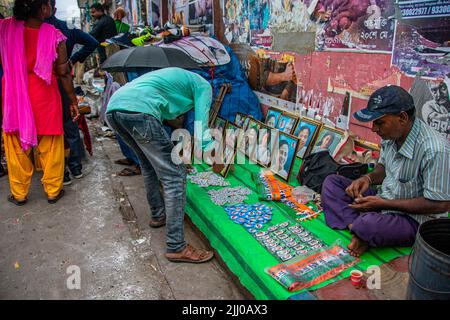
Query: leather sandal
128	172
55	199
157	223
15	201
191	255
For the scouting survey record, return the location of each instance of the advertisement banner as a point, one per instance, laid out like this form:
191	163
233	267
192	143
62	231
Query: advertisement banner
357	25
423	8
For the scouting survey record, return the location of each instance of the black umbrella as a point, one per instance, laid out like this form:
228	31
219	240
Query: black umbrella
148	57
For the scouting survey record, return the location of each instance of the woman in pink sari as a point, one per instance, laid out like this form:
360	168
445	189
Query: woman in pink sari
33	55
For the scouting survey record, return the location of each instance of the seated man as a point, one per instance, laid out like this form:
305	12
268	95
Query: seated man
136	112
413	171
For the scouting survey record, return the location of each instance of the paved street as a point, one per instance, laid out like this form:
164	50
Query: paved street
101	226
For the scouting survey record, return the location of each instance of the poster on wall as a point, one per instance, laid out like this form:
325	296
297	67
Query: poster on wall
201	12
358	25
290	16
432	101
420	39
179	12
236	20
274	74
135	12
155	13
259	16
417	9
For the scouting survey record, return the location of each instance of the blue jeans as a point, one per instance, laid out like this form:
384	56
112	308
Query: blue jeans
146	136
127	151
71	134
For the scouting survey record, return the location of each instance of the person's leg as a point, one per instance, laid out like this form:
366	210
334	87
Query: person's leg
335	201
72	135
154	197
155	144
382	230
51	155
19	165
128	153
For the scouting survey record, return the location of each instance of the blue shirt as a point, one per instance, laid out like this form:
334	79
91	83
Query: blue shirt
75	36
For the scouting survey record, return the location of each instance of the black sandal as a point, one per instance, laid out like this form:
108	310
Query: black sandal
55	199
15	201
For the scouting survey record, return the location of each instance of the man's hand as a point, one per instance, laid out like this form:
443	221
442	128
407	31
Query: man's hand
370	203
288	74
74	113
358	187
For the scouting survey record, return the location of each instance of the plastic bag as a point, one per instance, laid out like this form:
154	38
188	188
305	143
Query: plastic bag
307	271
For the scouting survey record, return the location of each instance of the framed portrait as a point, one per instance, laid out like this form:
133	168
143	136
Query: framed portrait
272	117
229	156
287	123
220	124
266	136
306	132
248	138
283	158
328	139
239	119
231	134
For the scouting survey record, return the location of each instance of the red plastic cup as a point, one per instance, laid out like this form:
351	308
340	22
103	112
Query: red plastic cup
356	278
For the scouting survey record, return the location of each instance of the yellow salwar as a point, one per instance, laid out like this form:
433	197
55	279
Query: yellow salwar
50	153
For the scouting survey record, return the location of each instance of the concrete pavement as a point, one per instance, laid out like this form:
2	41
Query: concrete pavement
99	228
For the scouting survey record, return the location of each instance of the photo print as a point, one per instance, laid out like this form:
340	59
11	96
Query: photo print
287	123
306	132
264	149
328	139
272	117
283	160
247	141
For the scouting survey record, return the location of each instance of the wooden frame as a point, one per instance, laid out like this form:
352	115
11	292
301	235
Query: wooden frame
311	139
330	146
292	143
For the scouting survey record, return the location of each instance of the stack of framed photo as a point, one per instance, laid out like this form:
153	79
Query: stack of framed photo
230	134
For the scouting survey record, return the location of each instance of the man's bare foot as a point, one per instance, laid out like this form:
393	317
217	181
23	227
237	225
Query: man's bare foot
357	247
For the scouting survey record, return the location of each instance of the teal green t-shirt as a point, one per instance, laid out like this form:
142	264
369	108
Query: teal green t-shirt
166	94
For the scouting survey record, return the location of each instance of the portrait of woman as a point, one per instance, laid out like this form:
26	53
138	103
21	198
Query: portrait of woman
328	139
272	117
264	149
306	131
287	123
283	158
248	139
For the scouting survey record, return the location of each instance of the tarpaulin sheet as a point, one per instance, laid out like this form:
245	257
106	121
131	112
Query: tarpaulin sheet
244	256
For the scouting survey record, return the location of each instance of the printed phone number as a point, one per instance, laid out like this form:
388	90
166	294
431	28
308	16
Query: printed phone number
435	10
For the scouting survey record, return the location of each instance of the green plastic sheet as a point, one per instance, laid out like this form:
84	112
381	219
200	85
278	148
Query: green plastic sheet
244	256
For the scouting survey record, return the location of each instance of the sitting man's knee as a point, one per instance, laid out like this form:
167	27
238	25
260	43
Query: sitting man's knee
330	183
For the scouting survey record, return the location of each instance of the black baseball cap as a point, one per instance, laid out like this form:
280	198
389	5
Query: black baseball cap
386	100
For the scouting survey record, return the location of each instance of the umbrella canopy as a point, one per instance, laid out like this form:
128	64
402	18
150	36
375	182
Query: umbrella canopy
148	57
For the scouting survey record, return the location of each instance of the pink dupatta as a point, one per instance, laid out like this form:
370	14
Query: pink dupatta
17	111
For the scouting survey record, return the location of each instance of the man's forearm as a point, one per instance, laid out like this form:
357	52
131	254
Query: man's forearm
377	175
419	205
